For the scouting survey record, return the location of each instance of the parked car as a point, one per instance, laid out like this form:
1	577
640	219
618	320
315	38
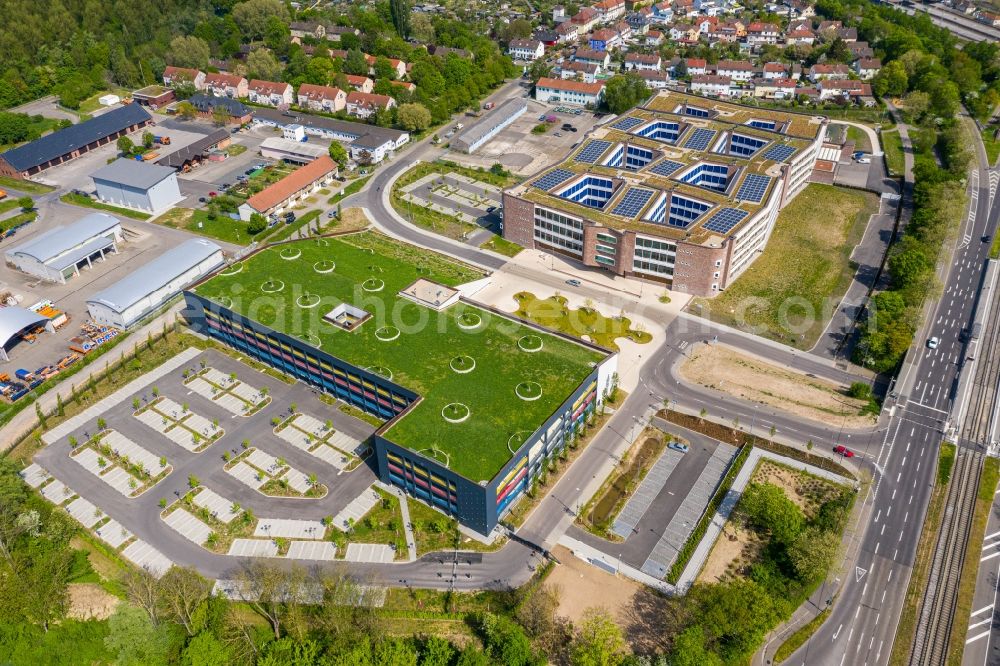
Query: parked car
574	283
202	199
678	446
289	217
213	194
557	134
842	450
331	213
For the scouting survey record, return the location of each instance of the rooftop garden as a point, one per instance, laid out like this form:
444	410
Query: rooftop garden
465	362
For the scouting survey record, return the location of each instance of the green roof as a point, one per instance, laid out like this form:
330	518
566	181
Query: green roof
420	358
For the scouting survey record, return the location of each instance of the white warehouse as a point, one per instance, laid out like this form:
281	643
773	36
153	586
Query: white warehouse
137	185
142	291
59	253
473	137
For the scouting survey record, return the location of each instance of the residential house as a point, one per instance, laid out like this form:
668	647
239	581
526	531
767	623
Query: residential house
526	49
408	86
849	35
360	83
989	18
684	32
586	19
861	50
683	7
335	32
759	34
656	80
559	15
711	85
600	58
723	32
568	32
576	93
610	10
604	39
803	36
706	24
236	112
639	21
663	12
736	70
774	70
580	71
653	38
844	88
302	29
624	31
365	105
696	66
867	68
175	76
221	84
546	37
322	98
821	71
398	65
774	88
270	93
643	61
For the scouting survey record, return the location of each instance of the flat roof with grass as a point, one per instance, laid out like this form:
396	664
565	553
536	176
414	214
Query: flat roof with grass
483	377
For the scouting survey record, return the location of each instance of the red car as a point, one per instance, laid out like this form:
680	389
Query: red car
842	450
213	194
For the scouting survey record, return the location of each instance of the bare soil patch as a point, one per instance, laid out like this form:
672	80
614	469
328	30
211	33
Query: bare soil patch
725	369
736	548
582	586
351	219
89	601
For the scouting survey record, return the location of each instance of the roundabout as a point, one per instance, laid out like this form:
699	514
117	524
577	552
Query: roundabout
530	343
290	253
307	300
455	412
462	364
373	285
324	266
528	391
469	321
272	286
387	333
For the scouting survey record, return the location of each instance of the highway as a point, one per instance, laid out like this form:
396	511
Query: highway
962	26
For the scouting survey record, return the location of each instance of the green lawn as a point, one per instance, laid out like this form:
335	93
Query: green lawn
79	200
892	144
502	245
791	291
860	138
418	345
235	149
992	144
349	189
552	312
26	186
197	221
20	218
8	204
92	104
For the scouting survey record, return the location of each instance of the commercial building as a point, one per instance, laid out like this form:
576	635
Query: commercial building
471	138
297	152
61	252
683	191
69	143
195	153
137	185
366	144
153	96
277	197
475	403
235	111
571	93
144	290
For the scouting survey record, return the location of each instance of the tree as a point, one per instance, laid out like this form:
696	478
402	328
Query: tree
598	641
220	115
891	80
735	616
413	117
505	641
277	34
147	139
186	110
183	591
261	64
26	203
134	638
517	29
812	553
767	509
356	63
125	145
188	51
421	28
205	650
917	103
383	69
539	69
271	591
689	649
623	91
257	224
338	153
251	16
399	10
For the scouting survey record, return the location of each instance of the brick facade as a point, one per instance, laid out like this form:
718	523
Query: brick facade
518	220
696	265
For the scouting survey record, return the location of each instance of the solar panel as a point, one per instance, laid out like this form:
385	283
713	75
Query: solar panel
627	123
753	188
695	111
665	168
552	179
632	202
723	221
700	139
779	153
592	151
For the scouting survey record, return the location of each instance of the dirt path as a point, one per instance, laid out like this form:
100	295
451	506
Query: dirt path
723	368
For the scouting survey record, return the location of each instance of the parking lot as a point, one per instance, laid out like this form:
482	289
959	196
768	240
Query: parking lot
524	153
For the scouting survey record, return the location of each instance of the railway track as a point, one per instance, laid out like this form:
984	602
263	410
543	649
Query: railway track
937	612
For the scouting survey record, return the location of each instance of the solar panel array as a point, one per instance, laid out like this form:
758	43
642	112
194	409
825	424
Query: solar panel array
695	111
632	202
753	188
779	153
700	139
627	123
724	220
665	168
552	179
592	151
763	124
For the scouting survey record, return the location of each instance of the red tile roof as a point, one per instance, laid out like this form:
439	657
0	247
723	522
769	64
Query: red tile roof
312	91
268	87
223	79
298	180
574	86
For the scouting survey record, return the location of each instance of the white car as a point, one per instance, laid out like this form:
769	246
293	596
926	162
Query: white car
864	160
933	343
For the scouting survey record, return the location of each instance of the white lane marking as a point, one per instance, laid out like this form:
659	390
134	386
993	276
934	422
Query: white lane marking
990	556
977	637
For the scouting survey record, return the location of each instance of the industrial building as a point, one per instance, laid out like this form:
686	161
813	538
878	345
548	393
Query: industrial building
278	197
144	290
683	191
297	152
69	143
14	321
366	144
61	252
197	152
137	185
474	404
471	138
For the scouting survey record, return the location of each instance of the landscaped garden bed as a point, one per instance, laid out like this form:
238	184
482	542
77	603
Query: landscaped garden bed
586	322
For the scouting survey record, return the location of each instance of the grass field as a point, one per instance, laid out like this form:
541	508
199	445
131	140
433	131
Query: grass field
87	202
196	221
553	313
860	138
418	345
893	147
92	104
992	144
791	291
502	246
20	218
26	186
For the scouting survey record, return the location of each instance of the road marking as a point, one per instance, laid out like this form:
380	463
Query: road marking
990	556
883	530
981	623
983	609
991	536
978	636
837	633
859	573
